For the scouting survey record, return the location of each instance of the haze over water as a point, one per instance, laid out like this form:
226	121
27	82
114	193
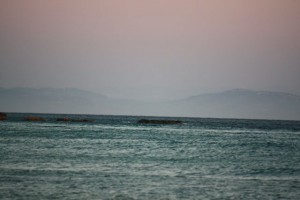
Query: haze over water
162	51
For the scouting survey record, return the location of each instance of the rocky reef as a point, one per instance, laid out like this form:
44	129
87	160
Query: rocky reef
3	116
34	119
156	121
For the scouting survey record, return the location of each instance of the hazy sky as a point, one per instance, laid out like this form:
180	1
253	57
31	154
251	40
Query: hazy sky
151	49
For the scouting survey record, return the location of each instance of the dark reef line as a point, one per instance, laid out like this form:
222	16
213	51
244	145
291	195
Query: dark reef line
3	116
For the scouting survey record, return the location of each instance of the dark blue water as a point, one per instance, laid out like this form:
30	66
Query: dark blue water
116	158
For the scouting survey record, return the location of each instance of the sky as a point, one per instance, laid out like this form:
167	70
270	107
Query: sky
151	49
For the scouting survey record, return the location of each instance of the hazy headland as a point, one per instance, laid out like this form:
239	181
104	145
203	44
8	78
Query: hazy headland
236	103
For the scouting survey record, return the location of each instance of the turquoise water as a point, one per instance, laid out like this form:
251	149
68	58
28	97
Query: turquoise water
116	158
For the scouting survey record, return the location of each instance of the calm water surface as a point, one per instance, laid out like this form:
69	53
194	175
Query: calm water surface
116	158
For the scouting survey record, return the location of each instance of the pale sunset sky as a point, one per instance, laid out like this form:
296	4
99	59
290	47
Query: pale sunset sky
151	49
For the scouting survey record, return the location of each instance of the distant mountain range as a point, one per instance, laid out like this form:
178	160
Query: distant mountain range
236	103
240	103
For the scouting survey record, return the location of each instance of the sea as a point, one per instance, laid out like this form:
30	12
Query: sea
114	157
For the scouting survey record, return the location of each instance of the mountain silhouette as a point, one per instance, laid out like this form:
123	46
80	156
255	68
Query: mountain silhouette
236	103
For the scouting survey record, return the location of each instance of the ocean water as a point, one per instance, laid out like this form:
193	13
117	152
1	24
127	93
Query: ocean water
116	158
